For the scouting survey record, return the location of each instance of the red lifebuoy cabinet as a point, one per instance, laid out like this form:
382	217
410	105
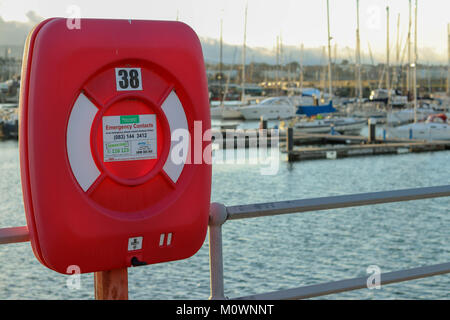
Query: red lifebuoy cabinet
103	182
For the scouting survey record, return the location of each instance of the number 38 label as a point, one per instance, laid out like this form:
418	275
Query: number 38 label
128	79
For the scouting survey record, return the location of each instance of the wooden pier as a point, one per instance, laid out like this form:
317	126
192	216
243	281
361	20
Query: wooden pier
356	146
340	151
253	137
304	146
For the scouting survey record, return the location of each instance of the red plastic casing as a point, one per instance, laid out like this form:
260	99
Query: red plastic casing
92	228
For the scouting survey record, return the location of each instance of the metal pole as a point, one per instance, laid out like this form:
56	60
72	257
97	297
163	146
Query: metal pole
218	216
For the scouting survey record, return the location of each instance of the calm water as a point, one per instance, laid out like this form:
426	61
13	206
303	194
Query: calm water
272	253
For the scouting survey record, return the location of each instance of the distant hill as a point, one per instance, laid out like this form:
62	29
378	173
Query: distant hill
211	47
13	35
310	56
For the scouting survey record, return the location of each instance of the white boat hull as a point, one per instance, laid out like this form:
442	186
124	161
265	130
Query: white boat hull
272	113
421	131
322	126
226	113
407	116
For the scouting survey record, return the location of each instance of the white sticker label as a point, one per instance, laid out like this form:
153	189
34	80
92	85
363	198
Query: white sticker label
128	79
131	137
135	243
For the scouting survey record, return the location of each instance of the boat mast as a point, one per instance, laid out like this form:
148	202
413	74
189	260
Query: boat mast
388	82
397	55
227	85
429	77
277	68
243	55
330	89
221	57
358	56
408	71
448	63
323	75
281	56
301	68
415	64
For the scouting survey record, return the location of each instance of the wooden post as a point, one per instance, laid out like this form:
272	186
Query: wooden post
372	131
290	142
262	123
111	285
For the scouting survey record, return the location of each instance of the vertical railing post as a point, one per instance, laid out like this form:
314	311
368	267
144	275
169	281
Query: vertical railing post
218	215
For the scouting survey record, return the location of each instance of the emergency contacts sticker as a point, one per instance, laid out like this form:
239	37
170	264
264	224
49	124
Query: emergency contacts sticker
131	137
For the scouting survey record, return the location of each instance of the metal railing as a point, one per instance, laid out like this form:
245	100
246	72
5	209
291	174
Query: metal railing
219	214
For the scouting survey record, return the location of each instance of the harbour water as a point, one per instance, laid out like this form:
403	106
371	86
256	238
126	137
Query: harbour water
280	252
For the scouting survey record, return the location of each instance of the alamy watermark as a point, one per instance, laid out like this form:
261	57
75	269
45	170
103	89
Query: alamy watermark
374	280
73	282
231	147
73	21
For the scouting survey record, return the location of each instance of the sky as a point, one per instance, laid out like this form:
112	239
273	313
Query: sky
297	21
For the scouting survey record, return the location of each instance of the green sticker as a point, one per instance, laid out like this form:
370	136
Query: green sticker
129	119
117	148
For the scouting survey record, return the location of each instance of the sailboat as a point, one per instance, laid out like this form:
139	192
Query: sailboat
232	110
312	118
228	110
270	109
314	121
436	127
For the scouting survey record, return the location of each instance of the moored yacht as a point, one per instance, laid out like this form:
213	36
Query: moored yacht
270	108
314	122
436	127
229	110
382	95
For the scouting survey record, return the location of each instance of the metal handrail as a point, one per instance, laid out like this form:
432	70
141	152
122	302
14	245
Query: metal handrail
14	235
334	202
351	284
219	214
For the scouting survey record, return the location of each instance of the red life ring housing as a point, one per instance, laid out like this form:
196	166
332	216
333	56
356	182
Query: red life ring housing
98	107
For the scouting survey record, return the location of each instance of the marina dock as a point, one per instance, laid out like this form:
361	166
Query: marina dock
340	151
314	146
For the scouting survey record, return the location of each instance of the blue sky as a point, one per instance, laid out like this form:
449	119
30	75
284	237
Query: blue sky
298	21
